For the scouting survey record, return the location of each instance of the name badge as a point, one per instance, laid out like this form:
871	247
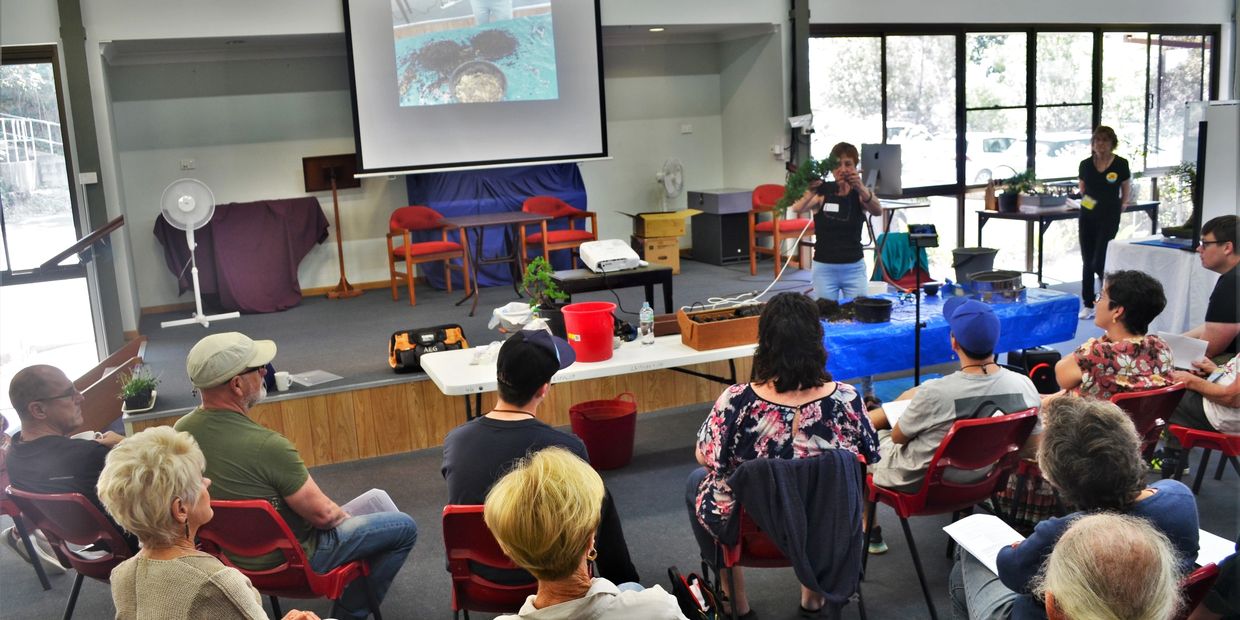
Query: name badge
831	207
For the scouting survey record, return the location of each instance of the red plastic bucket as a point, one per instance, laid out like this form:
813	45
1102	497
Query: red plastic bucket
606	427
590	326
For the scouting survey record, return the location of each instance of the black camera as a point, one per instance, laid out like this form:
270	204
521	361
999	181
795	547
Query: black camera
923	235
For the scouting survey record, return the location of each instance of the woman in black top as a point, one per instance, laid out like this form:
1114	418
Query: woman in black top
1105	185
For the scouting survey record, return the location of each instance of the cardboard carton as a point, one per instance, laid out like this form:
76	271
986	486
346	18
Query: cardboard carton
660	223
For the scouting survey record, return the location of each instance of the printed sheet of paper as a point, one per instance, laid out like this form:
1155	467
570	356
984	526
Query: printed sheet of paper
1184	350
894	410
370	502
1211	549
983	536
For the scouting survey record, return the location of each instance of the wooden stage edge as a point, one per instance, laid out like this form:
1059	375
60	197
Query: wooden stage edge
402	415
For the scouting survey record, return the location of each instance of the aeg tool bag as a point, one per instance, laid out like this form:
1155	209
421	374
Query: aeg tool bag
406	347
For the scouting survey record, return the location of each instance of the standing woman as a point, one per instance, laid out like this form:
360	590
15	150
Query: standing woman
839	268
1106	186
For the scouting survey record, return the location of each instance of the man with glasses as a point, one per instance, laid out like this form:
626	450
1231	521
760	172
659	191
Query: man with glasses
248	461
1221	329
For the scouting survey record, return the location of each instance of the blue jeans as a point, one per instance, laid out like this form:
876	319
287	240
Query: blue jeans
976	592
835	280
383	539
487	11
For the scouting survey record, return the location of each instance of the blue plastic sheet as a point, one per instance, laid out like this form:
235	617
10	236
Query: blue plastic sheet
497	190
863	349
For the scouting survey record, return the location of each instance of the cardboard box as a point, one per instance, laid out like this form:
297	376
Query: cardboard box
722	201
660	223
659	251
717	334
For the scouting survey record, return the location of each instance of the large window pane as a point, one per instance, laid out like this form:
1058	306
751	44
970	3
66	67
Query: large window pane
995	145
1123	93
845	91
1063	135
1175	79
1065	68
995	72
921	107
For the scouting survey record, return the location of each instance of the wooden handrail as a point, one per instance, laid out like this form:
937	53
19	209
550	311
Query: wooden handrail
85	242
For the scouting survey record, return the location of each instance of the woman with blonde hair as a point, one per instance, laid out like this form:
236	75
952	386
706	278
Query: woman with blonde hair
543	513
152	485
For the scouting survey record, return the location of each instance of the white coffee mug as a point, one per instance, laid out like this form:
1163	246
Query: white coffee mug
282	381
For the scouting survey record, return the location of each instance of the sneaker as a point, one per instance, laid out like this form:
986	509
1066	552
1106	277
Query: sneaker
1160	459
1085	314
877	546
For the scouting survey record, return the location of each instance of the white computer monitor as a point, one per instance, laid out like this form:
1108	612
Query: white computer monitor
880	164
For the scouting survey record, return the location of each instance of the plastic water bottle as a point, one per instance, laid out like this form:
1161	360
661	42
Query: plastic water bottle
645	328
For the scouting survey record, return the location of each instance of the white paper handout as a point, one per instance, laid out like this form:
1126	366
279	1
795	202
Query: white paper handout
311	378
370	502
1184	350
894	410
983	536
1212	549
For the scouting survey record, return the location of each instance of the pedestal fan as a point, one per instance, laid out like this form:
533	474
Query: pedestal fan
188	204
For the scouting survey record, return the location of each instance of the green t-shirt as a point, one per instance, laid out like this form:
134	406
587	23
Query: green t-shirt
248	461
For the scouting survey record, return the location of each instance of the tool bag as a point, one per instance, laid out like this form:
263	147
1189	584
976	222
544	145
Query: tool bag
406	347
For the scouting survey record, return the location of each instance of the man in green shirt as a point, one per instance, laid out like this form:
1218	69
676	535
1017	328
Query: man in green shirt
248	461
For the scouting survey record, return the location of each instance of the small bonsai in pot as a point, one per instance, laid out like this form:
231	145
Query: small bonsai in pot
802	177
1013	187
138	388
545	297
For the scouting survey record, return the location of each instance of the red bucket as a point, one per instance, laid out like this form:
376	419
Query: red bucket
607	428
590	326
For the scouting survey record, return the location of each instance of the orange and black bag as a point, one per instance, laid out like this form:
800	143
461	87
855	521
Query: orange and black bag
406	347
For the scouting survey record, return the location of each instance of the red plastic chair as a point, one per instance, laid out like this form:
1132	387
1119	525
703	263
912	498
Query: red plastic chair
419	218
970	444
1227	445
70	518
1149	410
252	527
7	507
1194	588
778	228
468	542
566	239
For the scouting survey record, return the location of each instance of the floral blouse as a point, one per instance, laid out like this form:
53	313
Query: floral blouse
1130	365
743	426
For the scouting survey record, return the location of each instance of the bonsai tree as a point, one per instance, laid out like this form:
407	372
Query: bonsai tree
1020	183
800	179
138	388
537	283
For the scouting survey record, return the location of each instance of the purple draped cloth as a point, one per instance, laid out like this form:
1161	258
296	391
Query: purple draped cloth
248	253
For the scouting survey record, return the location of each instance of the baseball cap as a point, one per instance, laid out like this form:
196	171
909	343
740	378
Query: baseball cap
531	357
220	357
973	324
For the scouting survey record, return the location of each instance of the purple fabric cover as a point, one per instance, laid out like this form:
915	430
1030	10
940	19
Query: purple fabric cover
248	253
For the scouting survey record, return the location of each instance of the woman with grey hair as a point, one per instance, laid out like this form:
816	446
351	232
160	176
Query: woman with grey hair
1090	453
1111	567
152	485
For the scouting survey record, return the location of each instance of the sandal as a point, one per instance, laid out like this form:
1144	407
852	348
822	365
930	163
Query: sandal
810	613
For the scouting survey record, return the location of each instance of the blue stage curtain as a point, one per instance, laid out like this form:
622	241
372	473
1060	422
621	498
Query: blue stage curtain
471	192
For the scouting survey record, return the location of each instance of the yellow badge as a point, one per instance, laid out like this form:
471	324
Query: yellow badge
1111	176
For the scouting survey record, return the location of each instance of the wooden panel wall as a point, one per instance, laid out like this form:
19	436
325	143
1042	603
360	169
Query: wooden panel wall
347	426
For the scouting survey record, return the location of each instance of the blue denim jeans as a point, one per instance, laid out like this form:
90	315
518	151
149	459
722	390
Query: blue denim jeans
383	539
839	282
487	11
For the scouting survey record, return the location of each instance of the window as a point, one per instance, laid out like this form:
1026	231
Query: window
847	104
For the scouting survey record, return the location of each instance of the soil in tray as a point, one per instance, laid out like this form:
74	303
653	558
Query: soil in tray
836	312
493	44
739	313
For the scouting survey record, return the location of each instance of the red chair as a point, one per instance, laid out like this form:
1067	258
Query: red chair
970	444
70	518
1227	445
566	239
418	218
1149	410
778	228
1194	588
7	507
252	527
468	543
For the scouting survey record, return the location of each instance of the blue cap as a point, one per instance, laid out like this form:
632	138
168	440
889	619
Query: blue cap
973	324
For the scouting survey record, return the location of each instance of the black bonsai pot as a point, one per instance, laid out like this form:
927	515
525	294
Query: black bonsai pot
872	309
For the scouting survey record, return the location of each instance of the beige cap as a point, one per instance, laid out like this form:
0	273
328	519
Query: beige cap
220	357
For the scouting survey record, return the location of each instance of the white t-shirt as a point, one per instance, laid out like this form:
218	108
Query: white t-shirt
1222	418
604	601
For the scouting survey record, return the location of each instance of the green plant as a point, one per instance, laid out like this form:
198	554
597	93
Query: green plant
137	382
1020	183
800	179
537	283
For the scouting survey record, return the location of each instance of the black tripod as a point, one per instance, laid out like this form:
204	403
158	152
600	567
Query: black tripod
920	236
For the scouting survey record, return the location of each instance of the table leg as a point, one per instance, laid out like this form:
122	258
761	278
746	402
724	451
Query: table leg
1153	219
482	231
667	292
473	406
476	259
981	223
649	289
1042	226
515	265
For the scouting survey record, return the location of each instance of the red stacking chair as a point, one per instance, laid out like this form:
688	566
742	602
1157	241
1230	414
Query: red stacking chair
1227	445
566	239
252	527
1149	410
7	507
419	218
468	542
70	518
1194	588
970	444
778	228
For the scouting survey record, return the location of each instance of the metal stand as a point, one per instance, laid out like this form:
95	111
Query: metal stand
199	317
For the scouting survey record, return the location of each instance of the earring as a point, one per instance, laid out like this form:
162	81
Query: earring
592	555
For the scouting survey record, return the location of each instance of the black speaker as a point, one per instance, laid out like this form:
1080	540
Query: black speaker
1039	364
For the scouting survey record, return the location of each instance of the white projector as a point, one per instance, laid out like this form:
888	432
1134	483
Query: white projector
607	255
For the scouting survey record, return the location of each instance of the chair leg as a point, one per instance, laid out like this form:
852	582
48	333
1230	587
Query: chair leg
1201	470
1235	463
276	612
31	553
951	543
921	576
861	601
447	274
409	269
1222	466
373	601
73	594
869	527
732	591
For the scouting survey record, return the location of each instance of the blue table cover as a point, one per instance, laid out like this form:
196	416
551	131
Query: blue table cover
863	349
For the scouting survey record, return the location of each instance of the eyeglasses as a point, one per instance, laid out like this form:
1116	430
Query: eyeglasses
250	370
1204	242
72	392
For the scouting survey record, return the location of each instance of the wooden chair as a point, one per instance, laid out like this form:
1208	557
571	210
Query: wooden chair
569	238
469	543
418	218
779	229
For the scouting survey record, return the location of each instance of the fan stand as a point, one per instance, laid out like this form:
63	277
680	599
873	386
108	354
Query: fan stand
343	289
198	316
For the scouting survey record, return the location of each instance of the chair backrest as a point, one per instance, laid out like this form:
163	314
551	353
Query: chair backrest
766	196
251	528
415	217
468	543
1195	587
1150	409
974	444
7	507
547	205
100	405
70	518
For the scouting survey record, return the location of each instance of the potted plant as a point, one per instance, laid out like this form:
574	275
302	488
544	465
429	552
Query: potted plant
138	389
1013	187
800	178
545	297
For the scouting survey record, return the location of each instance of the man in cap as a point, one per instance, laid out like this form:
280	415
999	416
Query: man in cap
248	461
481	451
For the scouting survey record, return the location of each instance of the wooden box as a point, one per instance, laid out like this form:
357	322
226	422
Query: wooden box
660	223
716	334
659	251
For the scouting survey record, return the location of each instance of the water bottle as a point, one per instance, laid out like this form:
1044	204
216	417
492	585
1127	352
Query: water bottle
645	328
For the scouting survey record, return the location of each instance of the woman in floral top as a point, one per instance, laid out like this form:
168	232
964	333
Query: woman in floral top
1125	358
791	409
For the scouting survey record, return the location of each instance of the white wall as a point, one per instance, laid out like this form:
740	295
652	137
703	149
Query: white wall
29	22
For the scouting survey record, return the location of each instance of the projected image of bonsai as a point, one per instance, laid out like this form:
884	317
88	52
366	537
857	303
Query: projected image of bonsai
472	59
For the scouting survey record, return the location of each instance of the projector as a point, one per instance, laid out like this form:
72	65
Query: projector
607	255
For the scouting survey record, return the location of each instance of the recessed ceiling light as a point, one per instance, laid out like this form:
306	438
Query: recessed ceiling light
656	30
